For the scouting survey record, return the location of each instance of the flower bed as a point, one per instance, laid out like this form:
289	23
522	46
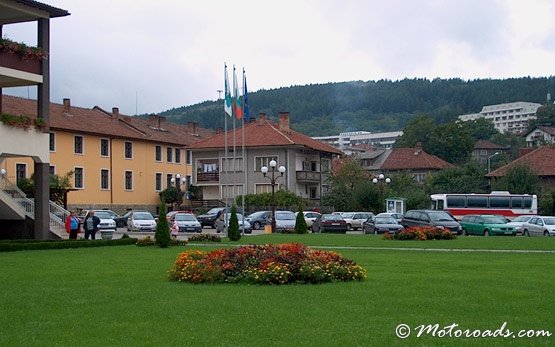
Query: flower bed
421	233
265	264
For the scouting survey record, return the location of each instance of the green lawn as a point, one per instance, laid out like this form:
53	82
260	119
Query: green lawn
120	296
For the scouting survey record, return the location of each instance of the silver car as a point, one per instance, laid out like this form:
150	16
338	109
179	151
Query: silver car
285	221
539	226
141	221
518	222
356	219
244	225
187	222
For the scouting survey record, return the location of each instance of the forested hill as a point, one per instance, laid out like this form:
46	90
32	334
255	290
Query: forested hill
328	109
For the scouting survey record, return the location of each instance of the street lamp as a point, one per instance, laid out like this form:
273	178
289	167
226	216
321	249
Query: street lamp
380	180
177	182
273	179
489	159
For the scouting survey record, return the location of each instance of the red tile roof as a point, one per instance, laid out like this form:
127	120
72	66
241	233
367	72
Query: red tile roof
264	132
413	159
96	121
541	161
484	144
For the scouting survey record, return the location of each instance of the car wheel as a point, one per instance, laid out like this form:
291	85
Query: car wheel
545	233
256	225
348	226
464	232
486	233
120	224
526	233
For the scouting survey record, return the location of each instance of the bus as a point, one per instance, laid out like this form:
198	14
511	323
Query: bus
497	202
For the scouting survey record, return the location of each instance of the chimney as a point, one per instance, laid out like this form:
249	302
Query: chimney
115	113
253	119
284	122
155	121
67	105
193	127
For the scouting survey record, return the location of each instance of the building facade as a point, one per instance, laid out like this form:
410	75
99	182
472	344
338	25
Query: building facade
540	135
511	117
345	140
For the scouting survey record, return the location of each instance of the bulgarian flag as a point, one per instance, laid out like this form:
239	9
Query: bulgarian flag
237	102
246	104
227	100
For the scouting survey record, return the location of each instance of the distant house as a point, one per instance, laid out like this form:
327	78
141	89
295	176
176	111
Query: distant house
414	160
540	135
486	149
540	160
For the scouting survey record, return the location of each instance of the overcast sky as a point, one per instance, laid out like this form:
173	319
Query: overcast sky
148	56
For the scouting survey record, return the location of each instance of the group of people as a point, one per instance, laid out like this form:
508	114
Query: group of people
90	225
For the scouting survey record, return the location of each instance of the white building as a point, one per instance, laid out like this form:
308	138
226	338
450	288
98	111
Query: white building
353	138
512	117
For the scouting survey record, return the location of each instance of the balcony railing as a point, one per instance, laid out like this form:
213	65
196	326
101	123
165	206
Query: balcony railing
208	176
308	176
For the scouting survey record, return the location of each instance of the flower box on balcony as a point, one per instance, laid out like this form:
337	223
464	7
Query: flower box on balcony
16	62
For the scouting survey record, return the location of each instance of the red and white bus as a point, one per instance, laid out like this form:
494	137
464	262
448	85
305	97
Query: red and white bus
498	202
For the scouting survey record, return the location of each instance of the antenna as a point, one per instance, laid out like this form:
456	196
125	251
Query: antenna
136	102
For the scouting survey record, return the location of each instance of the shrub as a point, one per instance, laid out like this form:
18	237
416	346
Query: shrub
27	245
233	229
421	233
265	264
162	228
205	237
300	223
145	241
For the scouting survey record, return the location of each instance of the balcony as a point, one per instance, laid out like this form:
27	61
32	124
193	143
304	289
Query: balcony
208	177
16	71
308	176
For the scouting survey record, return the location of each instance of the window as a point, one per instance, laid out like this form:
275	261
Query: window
158	153
104	179
263	188
169	180
263	161
169	154
52	169
232	165
158	183
476	201
104	148
128	180
230	191
177	155
189	156
325	165
78	144
78	178
128	150
20	172
499	201
52	142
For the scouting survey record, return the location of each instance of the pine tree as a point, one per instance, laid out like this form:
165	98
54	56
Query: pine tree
300	223
233	229
162	228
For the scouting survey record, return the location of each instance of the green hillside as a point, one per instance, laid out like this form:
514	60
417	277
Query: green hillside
328	109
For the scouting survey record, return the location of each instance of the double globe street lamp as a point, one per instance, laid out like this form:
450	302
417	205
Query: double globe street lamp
273	179
381	180
176	181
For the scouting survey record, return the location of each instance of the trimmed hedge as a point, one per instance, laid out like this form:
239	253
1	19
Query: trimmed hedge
29	245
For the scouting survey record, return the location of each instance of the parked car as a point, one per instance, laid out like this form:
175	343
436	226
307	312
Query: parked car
246	228
187	222
355	219
486	225
398	216
121	221
285	221
309	217
329	223
539	225
259	219
106	220
434	218
381	224
209	218
141	221
518	222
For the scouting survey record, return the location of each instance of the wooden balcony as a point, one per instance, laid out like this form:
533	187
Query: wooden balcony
208	177
308	176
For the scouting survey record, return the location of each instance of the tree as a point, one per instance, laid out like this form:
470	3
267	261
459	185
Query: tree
233	231
367	197
519	179
171	195
162	235
300	223
461	179
545	115
418	130
481	129
451	142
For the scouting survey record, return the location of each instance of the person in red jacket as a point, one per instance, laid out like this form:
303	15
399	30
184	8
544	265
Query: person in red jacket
72	225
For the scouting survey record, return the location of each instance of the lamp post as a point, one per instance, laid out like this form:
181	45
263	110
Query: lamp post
489	160
380	180
273	179
177	182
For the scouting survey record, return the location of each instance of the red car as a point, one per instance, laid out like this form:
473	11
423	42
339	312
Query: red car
332	223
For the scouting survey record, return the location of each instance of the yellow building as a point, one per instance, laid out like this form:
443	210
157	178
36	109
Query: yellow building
119	162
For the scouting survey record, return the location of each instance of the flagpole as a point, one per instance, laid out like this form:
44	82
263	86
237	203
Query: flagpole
243	137
225	161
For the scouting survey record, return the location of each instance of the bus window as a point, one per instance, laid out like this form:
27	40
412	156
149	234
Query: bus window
499	201
456	201
527	202
516	202
477	201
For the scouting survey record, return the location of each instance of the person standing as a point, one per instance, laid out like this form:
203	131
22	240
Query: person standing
175	229
90	224
72	225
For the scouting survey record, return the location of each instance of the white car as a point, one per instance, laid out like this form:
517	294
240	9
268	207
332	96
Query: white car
539	225
187	222
518	222
355	219
309	217
141	221
107	222
285	221
397	216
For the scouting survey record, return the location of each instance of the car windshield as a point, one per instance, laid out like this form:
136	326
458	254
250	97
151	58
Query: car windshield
239	216
285	215
549	221
440	216
494	220
256	214
143	216
522	219
185	217
347	215
332	217
103	215
385	220
215	210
